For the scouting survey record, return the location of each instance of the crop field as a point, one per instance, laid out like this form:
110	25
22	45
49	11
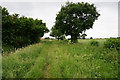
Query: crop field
61	59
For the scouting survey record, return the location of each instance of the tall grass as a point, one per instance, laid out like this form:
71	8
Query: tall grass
59	59
17	64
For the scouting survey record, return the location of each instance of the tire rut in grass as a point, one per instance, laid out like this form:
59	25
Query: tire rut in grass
46	72
47	67
41	64
53	68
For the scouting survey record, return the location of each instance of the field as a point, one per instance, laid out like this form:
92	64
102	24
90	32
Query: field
60	59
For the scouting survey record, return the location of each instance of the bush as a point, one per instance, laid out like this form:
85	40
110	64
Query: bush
21	31
112	43
91	37
94	43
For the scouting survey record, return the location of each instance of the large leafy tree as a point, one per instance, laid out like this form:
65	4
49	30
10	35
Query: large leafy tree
21	31
74	18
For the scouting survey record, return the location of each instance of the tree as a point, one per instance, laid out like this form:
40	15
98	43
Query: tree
74	18
83	35
56	33
21	31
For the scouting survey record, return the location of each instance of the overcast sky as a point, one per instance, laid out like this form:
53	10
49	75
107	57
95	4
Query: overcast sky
105	26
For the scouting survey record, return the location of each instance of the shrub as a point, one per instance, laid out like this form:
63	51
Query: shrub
21	31
94	43
112	43
91	37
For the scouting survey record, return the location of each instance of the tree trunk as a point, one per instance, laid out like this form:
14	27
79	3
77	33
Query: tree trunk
73	39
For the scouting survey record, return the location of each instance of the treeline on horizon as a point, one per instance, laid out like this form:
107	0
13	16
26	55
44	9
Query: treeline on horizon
21	31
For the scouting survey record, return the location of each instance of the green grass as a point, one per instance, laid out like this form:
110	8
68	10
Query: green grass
59	59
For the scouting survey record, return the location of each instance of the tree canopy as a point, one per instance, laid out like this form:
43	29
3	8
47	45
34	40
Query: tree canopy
21	31
56	33
74	18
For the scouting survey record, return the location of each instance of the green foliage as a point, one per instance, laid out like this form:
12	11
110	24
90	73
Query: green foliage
94	43
91	37
83	35
56	33
74	18
112	43
65	40
7	48
21	31
58	59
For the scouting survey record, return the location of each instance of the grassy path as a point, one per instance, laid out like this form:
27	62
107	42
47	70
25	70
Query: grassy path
58	59
39	70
